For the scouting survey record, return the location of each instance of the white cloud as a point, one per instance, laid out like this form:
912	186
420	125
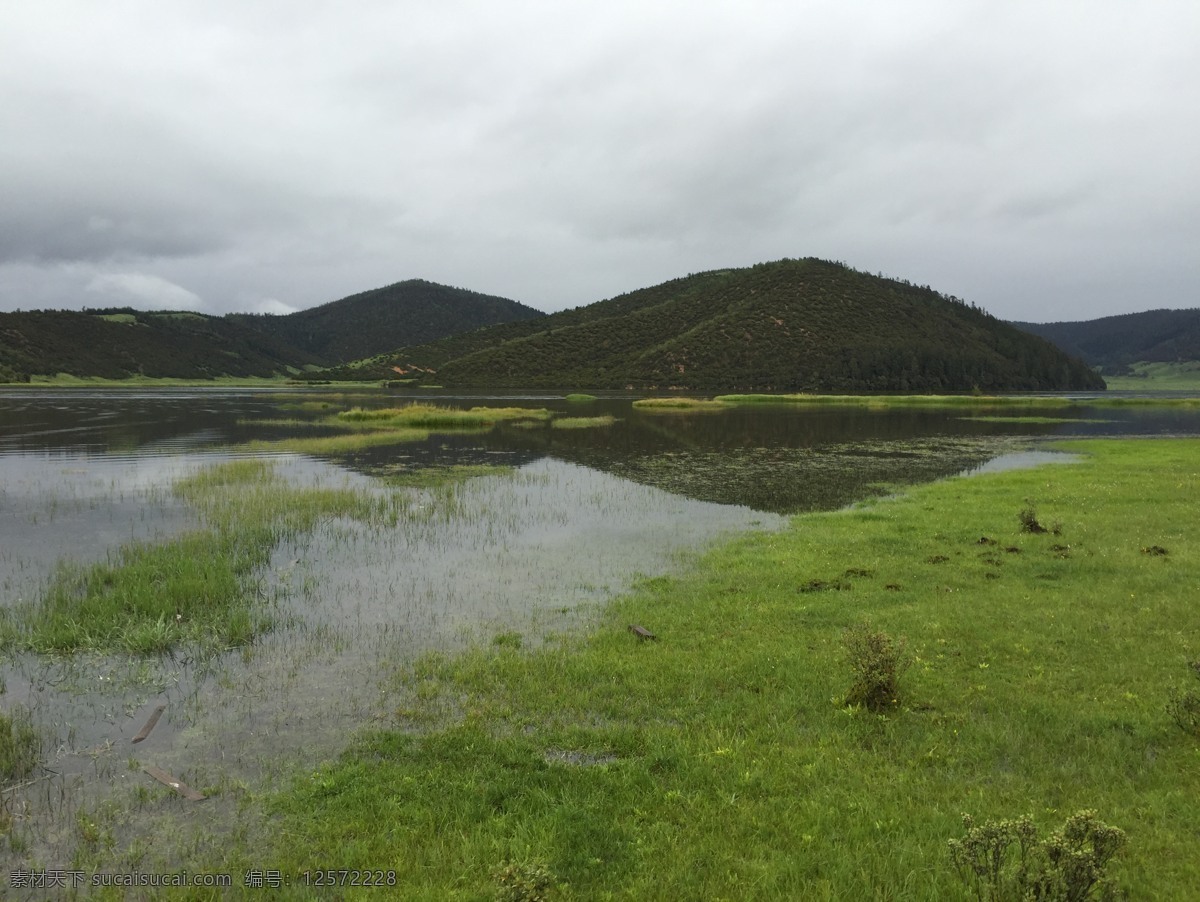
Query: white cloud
145	291
271	305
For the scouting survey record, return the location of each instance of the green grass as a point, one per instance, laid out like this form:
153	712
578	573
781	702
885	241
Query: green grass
346	443
579	398
722	761
197	587
582	422
20	749
678	405
1159	377
360	428
430	416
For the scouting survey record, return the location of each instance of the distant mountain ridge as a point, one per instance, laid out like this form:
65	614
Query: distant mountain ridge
125	343
119	343
382	319
1115	342
790	325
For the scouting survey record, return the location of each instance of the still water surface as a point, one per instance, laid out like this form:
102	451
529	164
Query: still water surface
581	515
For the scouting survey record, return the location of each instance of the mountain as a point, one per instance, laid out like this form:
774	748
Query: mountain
118	344
791	325
372	322
1115	342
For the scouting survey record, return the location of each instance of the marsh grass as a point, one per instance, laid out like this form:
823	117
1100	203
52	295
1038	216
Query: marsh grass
329	445
20	746
361	428
582	422
679	405
430	416
197	587
721	761
579	398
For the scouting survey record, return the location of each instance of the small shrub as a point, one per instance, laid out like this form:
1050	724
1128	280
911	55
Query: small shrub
877	661
1184	705
1029	523
532	882
1004	860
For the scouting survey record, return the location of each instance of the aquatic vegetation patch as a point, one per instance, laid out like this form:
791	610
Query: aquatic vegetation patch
20	748
679	405
430	416
197	587
788	480
579	398
327	445
582	422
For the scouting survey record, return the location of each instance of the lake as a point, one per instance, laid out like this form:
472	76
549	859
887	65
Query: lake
550	522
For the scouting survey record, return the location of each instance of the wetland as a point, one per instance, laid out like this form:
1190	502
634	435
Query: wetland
262	565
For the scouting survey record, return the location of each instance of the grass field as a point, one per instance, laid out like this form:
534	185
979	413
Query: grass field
1158	377
722	761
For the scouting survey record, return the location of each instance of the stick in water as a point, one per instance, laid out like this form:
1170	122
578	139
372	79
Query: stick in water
184	790
145	731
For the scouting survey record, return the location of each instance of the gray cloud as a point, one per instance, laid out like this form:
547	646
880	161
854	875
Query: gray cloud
1036	159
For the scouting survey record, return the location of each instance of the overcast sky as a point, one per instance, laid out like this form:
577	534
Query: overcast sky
1041	159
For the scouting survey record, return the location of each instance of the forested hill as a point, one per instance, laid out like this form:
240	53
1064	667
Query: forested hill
372	322
1116	342
791	325
121	343
118	344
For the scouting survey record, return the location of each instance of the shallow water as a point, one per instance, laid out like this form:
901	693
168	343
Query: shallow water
580	516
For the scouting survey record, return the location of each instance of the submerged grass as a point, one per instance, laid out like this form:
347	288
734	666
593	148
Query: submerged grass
433	477
199	586
722	761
